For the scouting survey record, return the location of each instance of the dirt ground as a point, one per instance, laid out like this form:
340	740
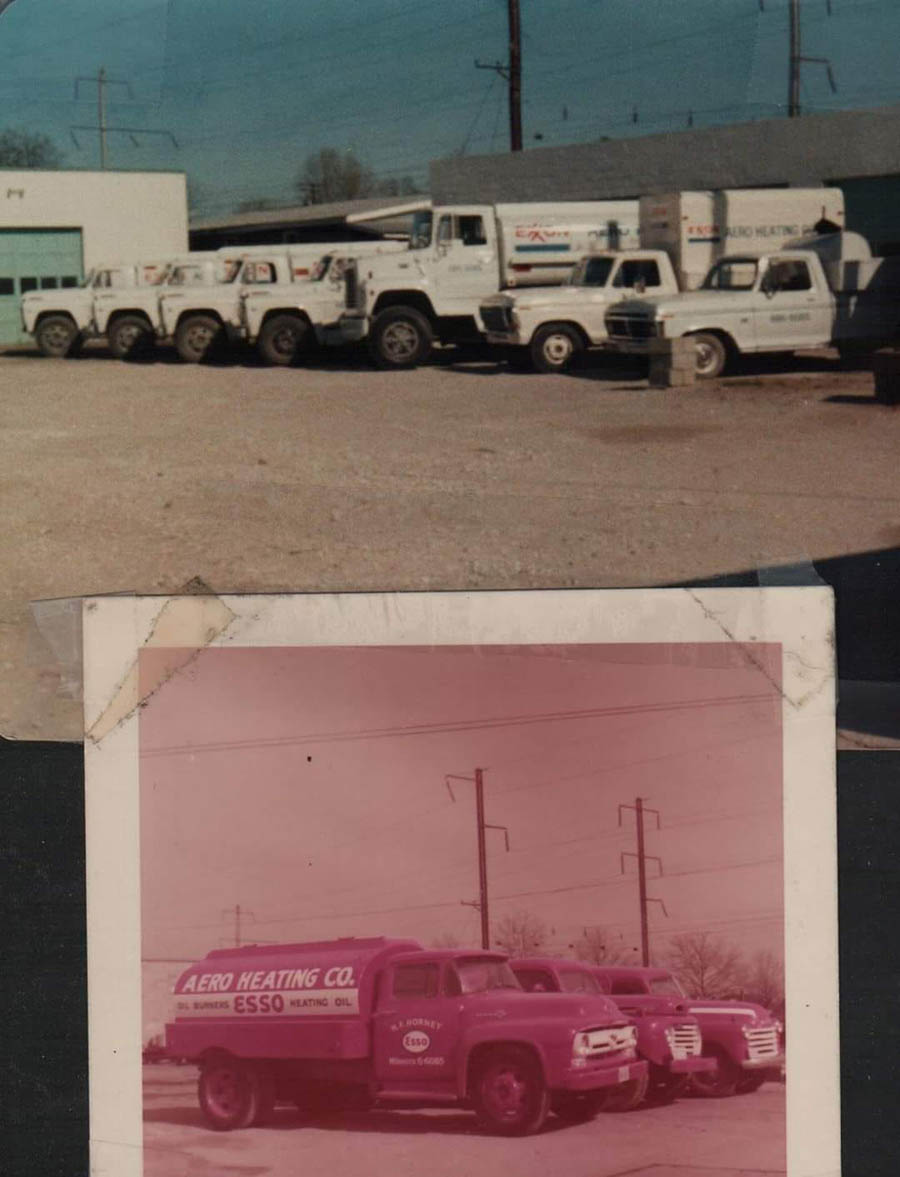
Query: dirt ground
139	478
738	1137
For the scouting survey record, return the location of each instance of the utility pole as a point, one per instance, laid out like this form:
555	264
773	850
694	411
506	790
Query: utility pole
794	67
101	115
103	80
642	857
515	77
239	913
511	72
481	826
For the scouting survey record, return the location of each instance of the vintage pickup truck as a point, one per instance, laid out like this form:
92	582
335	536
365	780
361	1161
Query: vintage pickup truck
365	1021
668	1037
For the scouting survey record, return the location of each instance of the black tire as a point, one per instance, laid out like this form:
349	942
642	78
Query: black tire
198	338
578	1109
627	1096
400	337
711	355
665	1088
720	1083
130	337
554	347
229	1093
283	339
749	1083
510	1095
57	336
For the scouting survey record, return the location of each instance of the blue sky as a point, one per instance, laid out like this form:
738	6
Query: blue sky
250	87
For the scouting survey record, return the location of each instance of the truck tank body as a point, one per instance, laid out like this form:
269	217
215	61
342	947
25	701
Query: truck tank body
311	1000
539	243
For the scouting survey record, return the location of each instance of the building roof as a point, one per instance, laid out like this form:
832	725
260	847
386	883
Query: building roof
315	215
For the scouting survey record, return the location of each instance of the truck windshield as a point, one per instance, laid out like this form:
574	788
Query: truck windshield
591	271
478	976
732	273
666	985
420	235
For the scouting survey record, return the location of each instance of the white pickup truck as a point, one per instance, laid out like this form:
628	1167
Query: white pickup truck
825	290
460	254
60	320
280	279
549	326
681	233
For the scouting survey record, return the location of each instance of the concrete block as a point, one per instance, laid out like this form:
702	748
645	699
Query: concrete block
672	363
886	369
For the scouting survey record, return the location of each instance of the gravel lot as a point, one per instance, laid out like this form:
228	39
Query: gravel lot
121	477
739	1137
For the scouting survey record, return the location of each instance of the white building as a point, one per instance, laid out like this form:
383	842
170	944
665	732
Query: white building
55	226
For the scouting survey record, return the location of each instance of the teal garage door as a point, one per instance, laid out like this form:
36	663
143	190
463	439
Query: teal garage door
34	259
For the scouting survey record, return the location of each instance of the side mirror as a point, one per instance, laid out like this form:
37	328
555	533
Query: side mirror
768	285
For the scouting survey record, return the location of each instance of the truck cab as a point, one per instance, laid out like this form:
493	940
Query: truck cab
668	1037
551	325
385	1021
742	1039
61	320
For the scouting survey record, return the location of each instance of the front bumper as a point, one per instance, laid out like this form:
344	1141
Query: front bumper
596	1078
773	1063
690	1066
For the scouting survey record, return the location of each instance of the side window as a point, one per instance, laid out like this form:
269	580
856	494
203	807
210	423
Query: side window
471	230
7	285
626	986
640	270
258	273
445	231
537	981
103	279
26	284
416	980
578	981
452	983
789	275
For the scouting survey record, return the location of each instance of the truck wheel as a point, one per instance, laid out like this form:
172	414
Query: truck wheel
198	338
554	346
229	1092
400	338
711	355
719	1083
283	339
666	1088
749	1084
627	1096
578	1109
56	336
510	1095
129	337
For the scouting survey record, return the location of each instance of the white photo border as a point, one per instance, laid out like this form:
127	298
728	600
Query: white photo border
800	619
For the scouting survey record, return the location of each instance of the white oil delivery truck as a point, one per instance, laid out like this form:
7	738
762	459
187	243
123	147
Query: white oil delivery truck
460	254
681	235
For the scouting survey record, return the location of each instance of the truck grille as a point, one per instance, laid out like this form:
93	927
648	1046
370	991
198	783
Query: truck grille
610	1040
351	286
762	1044
685	1041
629	327
496	318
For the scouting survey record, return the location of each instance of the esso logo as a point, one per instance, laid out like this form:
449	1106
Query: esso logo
415	1042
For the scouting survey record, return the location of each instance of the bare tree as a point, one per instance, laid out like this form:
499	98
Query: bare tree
520	934
24	149
445	940
334	175
707	965
764	980
598	946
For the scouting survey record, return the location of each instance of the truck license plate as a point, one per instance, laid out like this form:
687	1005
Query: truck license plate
624	1073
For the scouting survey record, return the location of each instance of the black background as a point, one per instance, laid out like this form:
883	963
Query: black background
43	1110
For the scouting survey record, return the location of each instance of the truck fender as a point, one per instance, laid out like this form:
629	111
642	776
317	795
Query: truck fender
418	300
135	312
652	1044
478	1046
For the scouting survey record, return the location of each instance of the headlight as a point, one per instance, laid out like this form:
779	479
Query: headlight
748	1028
581	1047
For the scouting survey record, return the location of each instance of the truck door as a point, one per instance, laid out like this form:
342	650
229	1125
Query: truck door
416	1026
790	311
465	261
630	276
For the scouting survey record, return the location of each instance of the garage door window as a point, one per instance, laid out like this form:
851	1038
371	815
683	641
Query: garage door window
48	283
26	284
7	286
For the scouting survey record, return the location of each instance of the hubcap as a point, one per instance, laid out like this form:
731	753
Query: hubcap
128	336
57	336
223	1090
557	348
199	338
400	341
506	1093
285	341
705	357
